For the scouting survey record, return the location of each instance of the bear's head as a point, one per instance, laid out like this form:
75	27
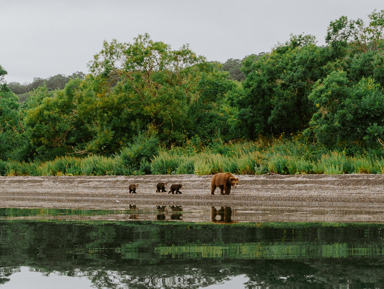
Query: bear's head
234	181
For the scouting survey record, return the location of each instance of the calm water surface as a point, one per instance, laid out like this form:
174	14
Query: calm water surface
161	248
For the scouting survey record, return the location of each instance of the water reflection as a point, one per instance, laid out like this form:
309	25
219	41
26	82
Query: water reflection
223	215
186	255
177	213
133	212
160	213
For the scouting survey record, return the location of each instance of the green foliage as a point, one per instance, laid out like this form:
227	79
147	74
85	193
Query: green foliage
277	87
55	82
11	126
54	122
166	163
333	95
172	93
280	156
3	168
233	67
137	156
348	115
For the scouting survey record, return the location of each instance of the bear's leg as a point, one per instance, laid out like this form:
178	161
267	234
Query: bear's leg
222	190
213	188
227	190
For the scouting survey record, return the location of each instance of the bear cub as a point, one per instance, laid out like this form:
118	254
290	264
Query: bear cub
132	188
175	189
160	187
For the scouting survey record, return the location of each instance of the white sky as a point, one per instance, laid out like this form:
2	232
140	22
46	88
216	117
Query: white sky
42	38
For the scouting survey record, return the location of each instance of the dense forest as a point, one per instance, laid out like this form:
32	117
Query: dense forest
144	100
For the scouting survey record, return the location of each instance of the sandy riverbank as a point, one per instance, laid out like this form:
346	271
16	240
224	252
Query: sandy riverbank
336	198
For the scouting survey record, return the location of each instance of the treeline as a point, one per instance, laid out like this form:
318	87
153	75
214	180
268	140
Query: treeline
53	83
56	82
331	96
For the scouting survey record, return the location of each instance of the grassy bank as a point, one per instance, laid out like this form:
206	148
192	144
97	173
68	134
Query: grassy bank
261	157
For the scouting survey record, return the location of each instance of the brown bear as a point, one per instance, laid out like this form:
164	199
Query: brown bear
133	187
160	187
224	181
175	188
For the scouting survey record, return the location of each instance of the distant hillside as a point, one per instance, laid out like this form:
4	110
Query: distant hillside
53	83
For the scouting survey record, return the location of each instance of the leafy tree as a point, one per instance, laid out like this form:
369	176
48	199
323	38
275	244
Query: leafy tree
164	92
53	121
156	84
55	82
354	35
139	88
348	115
233	67
277	87
11	128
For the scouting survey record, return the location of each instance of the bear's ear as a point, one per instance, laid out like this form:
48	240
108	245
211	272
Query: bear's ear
232	179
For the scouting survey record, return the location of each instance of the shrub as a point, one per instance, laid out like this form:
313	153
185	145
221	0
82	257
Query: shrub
14	168
137	156
278	164
334	163
98	166
247	162
187	166
3	168
209	163
165	163
362	165
300	166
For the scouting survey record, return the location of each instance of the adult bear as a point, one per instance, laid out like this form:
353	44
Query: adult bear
224	181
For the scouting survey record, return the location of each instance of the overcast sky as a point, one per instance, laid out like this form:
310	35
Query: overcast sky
42	38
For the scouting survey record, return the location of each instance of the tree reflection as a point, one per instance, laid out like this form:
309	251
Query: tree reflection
185	255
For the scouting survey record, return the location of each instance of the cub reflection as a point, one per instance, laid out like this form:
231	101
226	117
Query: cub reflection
161	213
176	212
225	214
134	211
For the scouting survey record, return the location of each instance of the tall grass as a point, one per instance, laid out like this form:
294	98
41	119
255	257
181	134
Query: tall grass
261	157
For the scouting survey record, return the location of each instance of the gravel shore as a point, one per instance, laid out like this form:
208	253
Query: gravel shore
314	198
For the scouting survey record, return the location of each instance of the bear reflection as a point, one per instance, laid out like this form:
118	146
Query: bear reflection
161	213
223	215
176	212
134	211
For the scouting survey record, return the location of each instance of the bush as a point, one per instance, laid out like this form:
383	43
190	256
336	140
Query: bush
98	166
21	169
278	164
136	158
363	165
165	164
209	163
247	163
3	168
300	166
335	163
187	166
